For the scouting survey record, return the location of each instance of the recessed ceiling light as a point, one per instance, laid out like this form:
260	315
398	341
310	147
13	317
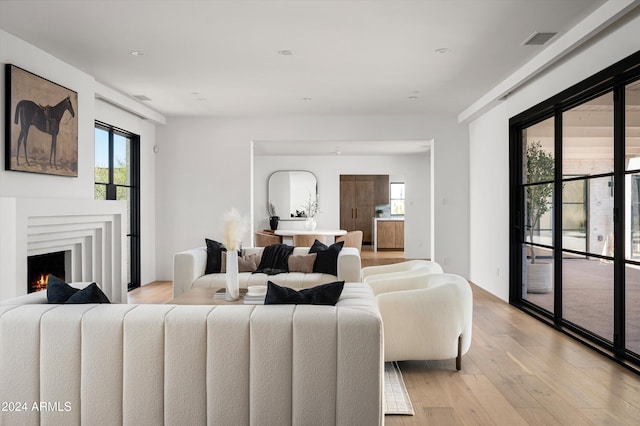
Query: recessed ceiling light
443	50
305	99
202	99
285	52
136	53
413	98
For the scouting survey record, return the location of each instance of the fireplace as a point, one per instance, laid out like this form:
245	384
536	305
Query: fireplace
41	265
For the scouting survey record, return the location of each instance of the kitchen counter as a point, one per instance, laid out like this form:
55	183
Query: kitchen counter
400	238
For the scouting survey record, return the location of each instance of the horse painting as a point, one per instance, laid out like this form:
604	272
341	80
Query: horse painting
46	119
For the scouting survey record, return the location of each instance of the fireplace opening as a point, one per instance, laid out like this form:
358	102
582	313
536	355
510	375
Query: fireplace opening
40	266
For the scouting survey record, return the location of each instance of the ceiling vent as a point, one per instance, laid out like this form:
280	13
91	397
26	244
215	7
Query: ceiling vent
538	39
142	98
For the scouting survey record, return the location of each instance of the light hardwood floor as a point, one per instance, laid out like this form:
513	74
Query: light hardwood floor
517	372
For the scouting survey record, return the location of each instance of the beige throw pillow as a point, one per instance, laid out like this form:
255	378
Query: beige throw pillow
302	263
247	263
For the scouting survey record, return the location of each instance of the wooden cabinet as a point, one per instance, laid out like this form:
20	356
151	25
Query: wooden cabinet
359	195
390	234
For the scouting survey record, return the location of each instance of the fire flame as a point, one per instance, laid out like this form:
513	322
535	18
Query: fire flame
41	283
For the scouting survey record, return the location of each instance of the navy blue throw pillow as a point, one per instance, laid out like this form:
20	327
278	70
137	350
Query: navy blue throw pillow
59	292
89	294
324	294
214	256
327	258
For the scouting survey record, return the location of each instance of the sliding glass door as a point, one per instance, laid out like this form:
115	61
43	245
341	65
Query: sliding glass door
575	211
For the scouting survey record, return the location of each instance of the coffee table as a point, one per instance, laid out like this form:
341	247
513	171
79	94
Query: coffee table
204	296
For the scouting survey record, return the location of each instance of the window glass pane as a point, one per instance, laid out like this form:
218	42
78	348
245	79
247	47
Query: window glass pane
537	280
574	215
632	216
632	301
587	137
539	152
397	207
587	294
538	214
632	130
632	162
588	226
101	173
120	160
397	191
100	192
122	193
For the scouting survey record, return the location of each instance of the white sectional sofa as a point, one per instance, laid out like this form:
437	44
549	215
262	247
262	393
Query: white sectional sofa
189	267
193	365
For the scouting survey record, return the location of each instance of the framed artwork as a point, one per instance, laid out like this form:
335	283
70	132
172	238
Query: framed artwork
41	125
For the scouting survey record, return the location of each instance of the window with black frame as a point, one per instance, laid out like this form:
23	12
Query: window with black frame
116	177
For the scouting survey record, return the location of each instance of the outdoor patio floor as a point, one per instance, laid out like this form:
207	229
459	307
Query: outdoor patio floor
587	298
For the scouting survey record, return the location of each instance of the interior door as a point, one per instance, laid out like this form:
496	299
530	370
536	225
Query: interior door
347	202
365	207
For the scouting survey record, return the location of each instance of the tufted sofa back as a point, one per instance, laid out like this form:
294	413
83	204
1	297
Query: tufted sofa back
168	364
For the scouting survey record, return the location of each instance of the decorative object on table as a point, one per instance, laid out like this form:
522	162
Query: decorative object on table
234	227
540	168
255	295
310	211
273	217
34	103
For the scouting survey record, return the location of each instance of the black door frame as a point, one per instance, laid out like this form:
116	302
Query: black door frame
134	196
612	79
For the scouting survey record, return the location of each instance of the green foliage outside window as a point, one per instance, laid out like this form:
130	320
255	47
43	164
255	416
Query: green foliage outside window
101	178
540	168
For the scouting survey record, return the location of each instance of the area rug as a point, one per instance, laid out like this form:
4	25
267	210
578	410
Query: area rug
396	397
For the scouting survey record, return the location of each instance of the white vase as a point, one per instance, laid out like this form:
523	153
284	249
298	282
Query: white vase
233	286
310	224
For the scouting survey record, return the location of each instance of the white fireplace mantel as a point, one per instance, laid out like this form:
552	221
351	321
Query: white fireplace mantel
93	231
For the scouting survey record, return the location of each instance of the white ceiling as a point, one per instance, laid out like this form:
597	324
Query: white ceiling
220	58
343	148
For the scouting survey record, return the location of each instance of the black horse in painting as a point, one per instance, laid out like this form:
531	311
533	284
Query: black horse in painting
45	118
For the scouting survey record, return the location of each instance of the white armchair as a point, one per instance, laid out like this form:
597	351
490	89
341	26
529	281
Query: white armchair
427	317
398	275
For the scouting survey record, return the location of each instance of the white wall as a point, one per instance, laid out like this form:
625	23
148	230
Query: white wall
488	140
489	202
204	167
55	189
414	170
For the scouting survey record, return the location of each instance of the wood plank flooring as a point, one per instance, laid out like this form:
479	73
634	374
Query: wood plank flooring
517	372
